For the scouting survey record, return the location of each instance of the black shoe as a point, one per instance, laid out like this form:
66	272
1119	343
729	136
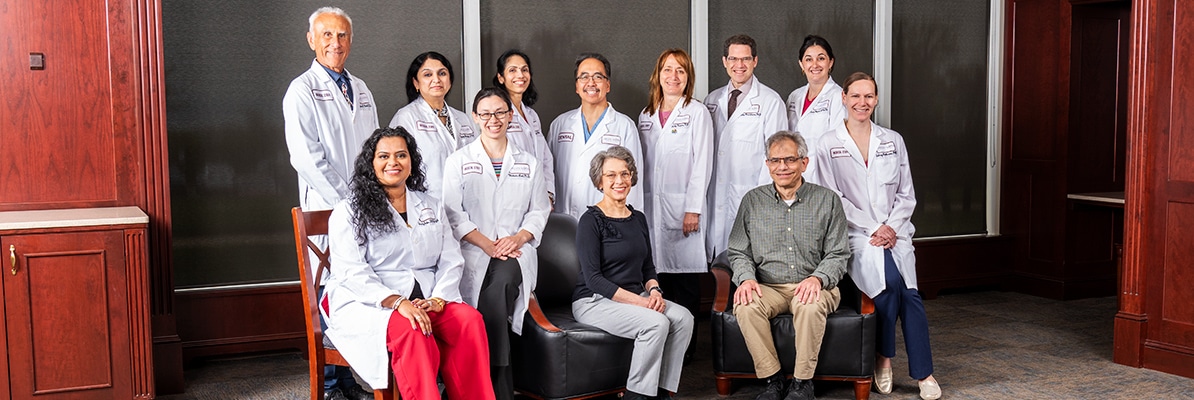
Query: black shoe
801	390
357	393
776	388
663	394
334	394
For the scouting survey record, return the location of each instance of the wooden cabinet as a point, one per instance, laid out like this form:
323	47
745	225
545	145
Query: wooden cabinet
76	305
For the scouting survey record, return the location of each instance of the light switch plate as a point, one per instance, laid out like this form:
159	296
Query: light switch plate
37	61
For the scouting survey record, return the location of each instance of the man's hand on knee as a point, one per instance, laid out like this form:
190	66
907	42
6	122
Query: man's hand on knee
808	291
747	292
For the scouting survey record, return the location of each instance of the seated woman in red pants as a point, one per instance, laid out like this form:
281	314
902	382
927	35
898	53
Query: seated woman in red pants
393	296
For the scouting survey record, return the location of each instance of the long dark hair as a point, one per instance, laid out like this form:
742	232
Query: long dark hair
370	206
412	93
530	96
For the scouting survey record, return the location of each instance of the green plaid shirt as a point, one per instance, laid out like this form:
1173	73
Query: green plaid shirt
772	242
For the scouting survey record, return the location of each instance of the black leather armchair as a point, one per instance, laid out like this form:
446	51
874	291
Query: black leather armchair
557	357
847	351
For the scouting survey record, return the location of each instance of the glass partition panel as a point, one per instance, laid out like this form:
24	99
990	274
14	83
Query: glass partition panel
630	34
939	100
228	64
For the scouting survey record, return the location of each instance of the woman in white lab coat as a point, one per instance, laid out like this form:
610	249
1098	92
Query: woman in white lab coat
867	165
494	197
816	107
438	128
606	127
677	137
526	131
393	297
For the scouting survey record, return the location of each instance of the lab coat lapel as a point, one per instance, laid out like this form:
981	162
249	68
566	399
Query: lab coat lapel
843	136
745	100
440	130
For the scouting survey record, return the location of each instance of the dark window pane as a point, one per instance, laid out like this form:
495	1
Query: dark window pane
939	100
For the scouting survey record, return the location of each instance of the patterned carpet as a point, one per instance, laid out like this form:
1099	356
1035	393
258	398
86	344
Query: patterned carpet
986	345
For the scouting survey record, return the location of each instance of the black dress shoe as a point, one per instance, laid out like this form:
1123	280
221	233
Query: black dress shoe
801	390
775	390
357	393
334	394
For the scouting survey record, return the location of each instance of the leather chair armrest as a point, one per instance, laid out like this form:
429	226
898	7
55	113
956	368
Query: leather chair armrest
541	319
868	305
722	296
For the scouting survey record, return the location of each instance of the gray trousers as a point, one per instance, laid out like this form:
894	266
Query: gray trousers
659	339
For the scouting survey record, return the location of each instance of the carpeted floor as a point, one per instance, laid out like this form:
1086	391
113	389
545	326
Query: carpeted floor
986	345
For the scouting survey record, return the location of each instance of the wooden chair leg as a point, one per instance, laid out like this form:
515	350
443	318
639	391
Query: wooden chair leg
862	390
724	385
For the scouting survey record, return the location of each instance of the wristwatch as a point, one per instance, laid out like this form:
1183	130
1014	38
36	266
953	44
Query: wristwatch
656	289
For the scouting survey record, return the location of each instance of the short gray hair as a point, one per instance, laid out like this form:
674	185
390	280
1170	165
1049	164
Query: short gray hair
327	10
615	152
801	147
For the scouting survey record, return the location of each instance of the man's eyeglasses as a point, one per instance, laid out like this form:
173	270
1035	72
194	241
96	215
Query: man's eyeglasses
500	114
735	60
596	78
784	160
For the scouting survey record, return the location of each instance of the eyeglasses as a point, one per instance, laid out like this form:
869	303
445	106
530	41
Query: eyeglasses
499	114
784	160
596	78
735	60
613	176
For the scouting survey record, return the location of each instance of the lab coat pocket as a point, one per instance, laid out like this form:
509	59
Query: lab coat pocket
887	170
671	211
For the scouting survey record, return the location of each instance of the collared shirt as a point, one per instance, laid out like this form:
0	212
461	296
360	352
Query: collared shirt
337	77
773	242
745	88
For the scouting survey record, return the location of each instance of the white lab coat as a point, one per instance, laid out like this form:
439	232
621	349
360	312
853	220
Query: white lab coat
675	179
740	146
872	195
574	189
476	199
363	276
826	112
526	132
433	139
324	136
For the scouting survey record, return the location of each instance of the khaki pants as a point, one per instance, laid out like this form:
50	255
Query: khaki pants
808	320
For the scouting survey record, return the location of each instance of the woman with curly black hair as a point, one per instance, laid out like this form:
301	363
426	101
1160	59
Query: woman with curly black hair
390	245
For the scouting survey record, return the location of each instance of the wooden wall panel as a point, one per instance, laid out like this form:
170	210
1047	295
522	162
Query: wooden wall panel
1035	67
249	320
1177	295
1181	142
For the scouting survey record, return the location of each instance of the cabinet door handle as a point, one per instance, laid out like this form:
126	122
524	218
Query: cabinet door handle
12	255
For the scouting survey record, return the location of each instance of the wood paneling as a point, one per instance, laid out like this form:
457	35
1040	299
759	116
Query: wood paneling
249	320
1154	328
69	307
953	263
1038	36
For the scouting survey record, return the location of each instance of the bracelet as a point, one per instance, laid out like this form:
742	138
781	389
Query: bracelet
397	303
439	301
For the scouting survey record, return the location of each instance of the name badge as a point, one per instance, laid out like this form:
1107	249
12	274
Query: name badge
427	216
754	111
514	127
885	149
322	95
363	101
682	121
466	131
611	139
564	137
838	152
470	168
644	126
519	170
425	126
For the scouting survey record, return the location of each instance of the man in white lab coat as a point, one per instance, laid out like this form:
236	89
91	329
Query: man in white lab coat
745	112
578	135
328	113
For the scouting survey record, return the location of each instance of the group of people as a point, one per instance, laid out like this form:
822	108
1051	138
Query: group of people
437	216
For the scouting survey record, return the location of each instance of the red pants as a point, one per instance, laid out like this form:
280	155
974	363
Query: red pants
457	349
